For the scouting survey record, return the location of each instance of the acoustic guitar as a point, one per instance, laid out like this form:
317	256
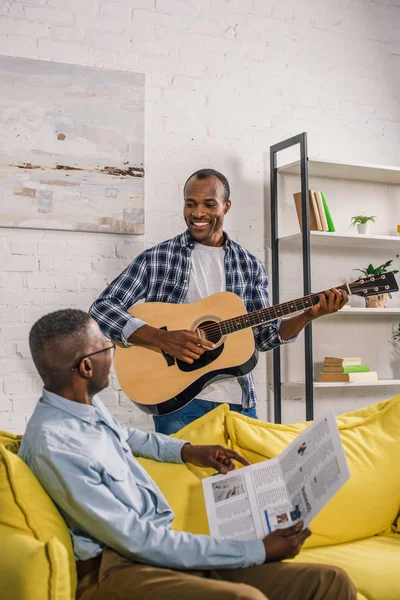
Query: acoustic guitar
160	384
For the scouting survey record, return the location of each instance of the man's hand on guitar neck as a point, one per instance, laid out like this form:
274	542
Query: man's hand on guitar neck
184	344
330	302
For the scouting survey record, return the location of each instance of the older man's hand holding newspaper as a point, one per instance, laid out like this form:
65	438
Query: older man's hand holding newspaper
275	500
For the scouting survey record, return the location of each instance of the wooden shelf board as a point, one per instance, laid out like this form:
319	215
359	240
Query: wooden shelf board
336	170
349	240
367	311
327	384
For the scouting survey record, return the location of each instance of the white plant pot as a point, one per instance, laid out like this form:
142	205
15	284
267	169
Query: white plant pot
363	228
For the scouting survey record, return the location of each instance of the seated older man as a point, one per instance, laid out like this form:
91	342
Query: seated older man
119	520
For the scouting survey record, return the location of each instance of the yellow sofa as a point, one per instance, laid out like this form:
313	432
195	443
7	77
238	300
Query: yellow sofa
358	530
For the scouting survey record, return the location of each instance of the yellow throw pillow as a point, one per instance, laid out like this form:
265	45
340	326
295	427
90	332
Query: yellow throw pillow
181	484
11	441
25	506
32	570
368	503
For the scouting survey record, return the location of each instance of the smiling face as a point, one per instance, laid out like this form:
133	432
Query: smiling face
205	209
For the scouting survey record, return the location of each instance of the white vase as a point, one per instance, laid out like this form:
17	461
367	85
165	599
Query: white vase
363	228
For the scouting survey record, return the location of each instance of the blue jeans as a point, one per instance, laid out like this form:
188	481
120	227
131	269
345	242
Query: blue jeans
196	408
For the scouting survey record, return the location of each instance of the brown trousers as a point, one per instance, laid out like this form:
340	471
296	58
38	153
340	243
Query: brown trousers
119	578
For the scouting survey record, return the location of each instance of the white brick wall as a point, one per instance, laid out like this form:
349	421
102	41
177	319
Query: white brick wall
225	80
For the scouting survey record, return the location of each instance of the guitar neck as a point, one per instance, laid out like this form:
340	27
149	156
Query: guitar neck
265	315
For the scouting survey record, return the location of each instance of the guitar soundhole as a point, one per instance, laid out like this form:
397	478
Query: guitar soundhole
210	331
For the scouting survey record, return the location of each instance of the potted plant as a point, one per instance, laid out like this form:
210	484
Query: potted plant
380	300
362	223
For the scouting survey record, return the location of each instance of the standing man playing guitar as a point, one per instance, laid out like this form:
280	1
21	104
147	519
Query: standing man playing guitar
195	264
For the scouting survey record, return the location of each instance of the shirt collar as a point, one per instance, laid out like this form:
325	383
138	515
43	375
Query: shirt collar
85	412
186	239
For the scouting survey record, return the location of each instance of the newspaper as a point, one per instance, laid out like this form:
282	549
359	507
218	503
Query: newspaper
255	500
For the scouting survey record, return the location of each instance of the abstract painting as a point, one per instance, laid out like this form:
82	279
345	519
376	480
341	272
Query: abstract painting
71	147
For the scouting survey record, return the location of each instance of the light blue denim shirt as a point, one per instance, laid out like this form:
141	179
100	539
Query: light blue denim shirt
83	458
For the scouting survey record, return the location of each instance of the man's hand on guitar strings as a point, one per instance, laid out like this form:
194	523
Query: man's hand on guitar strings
184	344
217	457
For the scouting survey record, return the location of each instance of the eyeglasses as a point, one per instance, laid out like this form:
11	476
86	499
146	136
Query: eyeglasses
111	349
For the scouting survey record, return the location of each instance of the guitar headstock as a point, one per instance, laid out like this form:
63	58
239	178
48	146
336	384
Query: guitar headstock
378	284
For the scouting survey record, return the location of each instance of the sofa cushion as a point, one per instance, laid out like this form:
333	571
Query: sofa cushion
369	501
181	484
26	507
32	570
372	564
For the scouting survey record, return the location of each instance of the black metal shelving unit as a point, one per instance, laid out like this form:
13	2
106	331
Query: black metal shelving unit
300	140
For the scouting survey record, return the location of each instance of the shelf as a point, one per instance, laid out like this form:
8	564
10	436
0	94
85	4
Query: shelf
334	170
331	384
371	180
370	311
348	240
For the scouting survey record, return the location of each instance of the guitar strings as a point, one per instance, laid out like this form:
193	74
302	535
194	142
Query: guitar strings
253	319
255	316
215	328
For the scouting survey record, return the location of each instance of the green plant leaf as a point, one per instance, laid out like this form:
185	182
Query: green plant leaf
360	219
371	270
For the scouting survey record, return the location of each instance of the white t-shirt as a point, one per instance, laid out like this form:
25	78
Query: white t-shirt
207	277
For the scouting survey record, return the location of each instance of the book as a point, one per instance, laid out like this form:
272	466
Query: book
334	361
348	369
349	377
321	211
329	219
314	205
315	221
251	502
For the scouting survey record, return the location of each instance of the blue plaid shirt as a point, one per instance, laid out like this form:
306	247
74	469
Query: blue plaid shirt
161	274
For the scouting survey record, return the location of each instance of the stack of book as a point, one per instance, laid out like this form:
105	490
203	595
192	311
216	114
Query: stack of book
346	369
320	216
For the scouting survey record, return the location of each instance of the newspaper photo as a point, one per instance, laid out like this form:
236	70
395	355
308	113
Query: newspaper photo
251	502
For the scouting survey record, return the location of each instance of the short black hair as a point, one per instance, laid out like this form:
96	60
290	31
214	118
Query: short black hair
50	331
206	174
